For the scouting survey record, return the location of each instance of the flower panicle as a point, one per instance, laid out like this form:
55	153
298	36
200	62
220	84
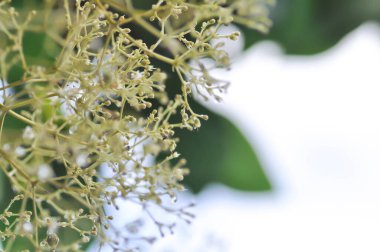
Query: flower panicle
97	123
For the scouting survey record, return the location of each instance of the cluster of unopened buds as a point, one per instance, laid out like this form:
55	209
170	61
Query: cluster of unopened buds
94	121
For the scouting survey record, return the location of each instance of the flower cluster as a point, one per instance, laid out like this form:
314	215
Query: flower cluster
98	125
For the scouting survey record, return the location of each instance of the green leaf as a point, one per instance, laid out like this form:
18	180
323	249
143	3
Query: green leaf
219	152
312	26
40	49
5	191
2	187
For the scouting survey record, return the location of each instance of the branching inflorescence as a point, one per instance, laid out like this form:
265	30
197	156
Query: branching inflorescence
101	105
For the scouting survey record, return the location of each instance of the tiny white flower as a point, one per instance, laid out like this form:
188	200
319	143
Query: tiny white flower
81	160
52	225
20	151
27	227
28	133
45	172
6	147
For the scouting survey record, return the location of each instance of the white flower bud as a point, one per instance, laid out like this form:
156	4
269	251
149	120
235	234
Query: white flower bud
28	133
45	172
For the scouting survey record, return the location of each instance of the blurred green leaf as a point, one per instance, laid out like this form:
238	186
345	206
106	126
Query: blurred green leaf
2	188
40	49
20	244
312	26
219	152
5	191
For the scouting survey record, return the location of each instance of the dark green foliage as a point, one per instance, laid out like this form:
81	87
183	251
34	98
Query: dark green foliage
219	152
312	26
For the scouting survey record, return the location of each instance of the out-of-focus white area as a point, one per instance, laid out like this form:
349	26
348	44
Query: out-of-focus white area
315	123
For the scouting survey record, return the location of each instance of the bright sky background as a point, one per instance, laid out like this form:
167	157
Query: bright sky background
315	122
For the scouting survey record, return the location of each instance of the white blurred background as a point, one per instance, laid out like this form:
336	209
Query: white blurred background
315	123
